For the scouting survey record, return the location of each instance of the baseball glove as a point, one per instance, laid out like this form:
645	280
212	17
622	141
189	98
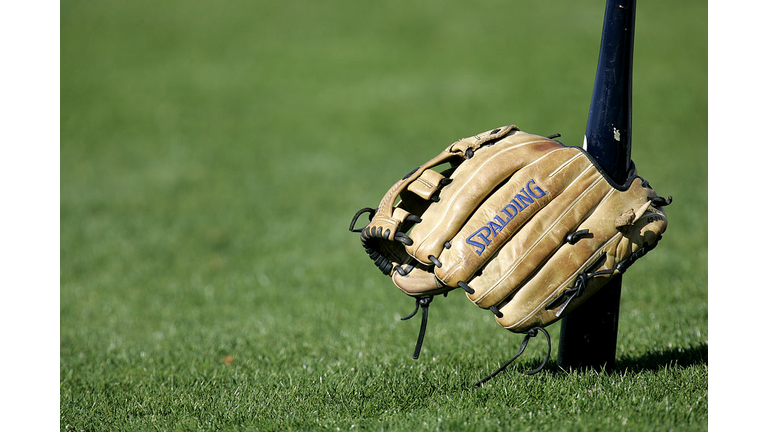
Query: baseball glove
528	228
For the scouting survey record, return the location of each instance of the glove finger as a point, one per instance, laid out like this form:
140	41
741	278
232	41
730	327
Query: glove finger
472	182
538	240
533	190
525	305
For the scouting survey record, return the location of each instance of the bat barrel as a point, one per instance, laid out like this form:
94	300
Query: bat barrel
608	135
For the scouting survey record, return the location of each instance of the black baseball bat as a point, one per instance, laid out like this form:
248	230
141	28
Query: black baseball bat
588	335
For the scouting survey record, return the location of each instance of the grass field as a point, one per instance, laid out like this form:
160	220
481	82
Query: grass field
213	154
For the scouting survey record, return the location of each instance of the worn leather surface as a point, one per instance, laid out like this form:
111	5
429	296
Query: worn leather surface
498	221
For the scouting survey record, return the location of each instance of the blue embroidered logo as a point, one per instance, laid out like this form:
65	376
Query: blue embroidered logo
482	237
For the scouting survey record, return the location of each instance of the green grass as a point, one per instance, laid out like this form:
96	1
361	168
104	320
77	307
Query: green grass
213	154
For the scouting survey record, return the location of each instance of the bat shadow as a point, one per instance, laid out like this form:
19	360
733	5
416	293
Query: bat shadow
650	361
668	357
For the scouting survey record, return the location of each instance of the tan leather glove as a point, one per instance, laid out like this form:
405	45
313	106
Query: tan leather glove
527	227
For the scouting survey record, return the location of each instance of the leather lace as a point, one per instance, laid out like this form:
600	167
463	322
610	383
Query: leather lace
531	333
422	302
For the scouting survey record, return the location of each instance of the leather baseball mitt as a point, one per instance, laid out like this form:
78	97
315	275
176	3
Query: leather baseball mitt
528	228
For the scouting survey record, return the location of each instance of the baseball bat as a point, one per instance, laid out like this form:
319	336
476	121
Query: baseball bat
588	335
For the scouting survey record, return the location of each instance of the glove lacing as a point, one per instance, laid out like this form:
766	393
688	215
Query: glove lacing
424	303
531	333
370	211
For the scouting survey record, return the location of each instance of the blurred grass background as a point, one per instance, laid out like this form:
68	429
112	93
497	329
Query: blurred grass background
213	153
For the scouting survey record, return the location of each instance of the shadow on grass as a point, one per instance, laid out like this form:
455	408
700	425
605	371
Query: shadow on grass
650	361
655	360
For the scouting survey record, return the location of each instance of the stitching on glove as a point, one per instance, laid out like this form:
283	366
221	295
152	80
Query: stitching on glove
546	232
478	171
424	182
567	163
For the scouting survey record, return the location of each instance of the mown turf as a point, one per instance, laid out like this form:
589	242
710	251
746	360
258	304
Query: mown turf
213	153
